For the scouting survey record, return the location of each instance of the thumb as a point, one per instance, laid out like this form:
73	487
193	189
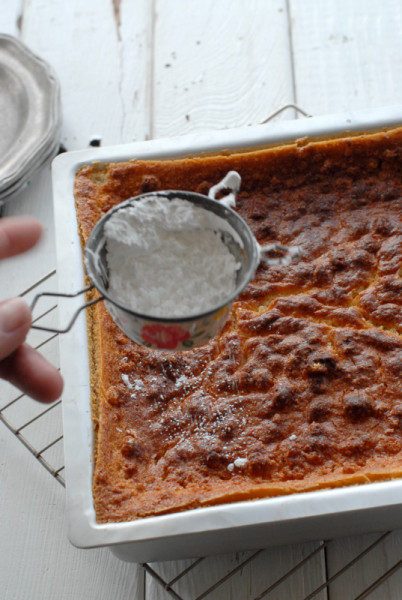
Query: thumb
15	321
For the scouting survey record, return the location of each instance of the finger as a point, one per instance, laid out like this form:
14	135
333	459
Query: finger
27	370
15	321
18	234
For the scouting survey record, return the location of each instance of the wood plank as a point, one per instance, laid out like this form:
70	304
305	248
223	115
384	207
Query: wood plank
135	34
10	13
95	94
37	561
346	54
241	575
104	96
383	554
219	64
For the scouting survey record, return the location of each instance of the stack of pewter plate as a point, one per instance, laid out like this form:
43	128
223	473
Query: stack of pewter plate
30	115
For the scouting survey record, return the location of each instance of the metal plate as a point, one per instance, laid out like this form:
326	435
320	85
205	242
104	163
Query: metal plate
24	180
29	111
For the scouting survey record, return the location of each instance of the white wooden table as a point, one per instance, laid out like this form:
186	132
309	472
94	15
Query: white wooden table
139	69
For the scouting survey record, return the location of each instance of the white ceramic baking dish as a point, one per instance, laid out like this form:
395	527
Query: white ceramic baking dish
243	525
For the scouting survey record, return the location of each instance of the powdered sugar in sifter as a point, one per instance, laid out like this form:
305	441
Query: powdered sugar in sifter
188	330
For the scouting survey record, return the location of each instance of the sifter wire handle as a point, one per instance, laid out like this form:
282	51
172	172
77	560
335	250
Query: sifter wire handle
229	184
75	315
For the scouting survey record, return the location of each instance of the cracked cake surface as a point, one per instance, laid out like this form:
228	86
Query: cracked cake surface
301	390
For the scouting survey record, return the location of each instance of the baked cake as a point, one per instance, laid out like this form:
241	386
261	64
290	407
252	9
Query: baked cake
301	390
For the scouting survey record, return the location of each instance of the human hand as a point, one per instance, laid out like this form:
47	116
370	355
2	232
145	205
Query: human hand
20	364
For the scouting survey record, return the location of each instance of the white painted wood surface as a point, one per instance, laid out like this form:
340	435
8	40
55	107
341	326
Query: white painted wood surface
137	69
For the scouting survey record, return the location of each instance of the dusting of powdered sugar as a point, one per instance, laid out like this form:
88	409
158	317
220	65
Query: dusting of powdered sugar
126	381
166	258
239	463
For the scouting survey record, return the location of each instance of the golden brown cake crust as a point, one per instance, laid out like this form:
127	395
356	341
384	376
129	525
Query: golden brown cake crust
301	390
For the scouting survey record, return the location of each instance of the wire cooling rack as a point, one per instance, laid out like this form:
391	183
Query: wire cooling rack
37	426
39	429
